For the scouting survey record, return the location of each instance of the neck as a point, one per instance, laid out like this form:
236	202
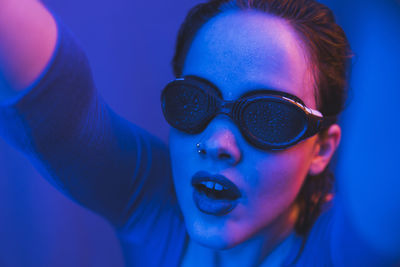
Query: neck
269	247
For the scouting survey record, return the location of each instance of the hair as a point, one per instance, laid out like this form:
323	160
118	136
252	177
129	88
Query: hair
329	53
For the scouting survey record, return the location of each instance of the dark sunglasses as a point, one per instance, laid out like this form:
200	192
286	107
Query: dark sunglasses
267	119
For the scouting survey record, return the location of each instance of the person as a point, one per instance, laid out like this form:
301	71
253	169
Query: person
245	181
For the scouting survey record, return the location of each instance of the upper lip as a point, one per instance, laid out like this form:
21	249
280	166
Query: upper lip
203	176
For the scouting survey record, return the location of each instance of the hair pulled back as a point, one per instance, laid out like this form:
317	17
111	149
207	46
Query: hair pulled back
329	53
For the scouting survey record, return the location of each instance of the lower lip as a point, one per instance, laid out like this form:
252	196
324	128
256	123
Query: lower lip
216	207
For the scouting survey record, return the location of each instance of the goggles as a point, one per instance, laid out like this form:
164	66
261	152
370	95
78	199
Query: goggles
267	119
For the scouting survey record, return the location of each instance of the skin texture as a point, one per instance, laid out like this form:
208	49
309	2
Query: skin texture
240	51
28	35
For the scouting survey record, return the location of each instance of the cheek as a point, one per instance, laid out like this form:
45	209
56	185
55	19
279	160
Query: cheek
277	178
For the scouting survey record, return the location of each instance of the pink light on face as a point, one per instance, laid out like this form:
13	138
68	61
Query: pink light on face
239	52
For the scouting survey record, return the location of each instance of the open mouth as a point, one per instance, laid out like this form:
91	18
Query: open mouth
215	190
214	194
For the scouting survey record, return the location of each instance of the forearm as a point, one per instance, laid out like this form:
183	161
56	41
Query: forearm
28	35
81	146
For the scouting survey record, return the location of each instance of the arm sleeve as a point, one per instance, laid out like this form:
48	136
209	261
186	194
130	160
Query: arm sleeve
97	158
82	147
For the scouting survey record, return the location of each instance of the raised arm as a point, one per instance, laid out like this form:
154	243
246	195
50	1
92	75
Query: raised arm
55	116
28	35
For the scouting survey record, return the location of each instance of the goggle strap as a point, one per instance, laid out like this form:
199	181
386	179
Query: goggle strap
326	122
317	124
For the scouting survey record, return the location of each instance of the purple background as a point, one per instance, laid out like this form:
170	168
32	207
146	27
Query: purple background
130	45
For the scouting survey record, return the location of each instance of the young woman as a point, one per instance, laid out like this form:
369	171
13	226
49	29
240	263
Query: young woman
245	181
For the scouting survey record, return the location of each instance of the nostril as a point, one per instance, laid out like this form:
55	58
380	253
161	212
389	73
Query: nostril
219	152
224	156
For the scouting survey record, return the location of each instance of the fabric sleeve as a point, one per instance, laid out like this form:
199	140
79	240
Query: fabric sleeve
95	157
81	146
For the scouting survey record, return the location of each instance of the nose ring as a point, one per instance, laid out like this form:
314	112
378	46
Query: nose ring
200	149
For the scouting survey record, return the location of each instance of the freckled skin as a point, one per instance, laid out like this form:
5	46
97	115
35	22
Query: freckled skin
240	51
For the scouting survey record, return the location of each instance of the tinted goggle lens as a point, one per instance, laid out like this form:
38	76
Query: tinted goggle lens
186	108
267	121
271	122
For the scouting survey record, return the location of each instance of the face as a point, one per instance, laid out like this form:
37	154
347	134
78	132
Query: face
240	51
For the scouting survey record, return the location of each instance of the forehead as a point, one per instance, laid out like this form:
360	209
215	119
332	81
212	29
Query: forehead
240	51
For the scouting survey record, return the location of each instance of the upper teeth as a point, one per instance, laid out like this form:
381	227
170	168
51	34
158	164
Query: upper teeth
218	187
213	185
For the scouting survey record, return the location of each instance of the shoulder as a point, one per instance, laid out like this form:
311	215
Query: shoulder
335	241
317	247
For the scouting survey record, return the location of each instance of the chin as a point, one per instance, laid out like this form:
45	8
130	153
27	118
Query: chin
214	242
211	237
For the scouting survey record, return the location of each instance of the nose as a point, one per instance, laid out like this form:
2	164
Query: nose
219	143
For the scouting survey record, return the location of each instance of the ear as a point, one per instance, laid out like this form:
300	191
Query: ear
326	145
